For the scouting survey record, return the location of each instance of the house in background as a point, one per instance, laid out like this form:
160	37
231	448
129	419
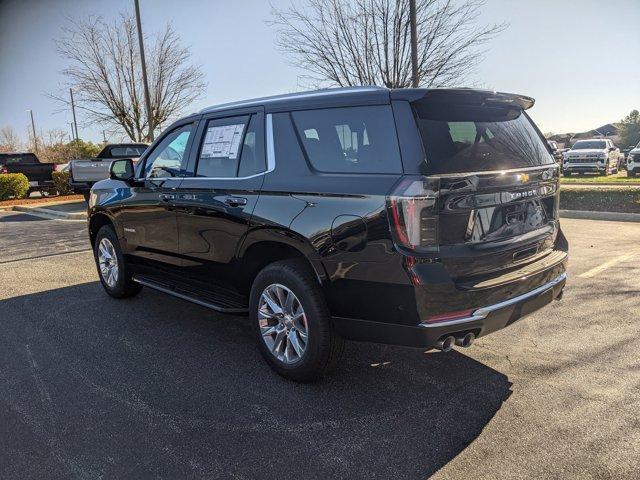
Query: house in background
609	131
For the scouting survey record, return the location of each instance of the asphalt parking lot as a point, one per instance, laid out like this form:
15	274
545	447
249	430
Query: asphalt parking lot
154	387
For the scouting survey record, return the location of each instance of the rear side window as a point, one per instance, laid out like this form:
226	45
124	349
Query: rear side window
350	139
463	139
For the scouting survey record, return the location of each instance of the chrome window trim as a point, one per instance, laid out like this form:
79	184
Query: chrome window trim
270	152
482	313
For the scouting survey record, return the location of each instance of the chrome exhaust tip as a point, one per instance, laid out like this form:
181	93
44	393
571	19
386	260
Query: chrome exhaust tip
466	340
446	343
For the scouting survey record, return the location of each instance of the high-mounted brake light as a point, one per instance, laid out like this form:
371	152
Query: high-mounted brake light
413	213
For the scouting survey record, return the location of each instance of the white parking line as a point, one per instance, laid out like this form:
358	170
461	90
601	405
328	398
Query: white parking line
595	271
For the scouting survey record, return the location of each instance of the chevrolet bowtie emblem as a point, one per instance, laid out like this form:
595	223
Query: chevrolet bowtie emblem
523	177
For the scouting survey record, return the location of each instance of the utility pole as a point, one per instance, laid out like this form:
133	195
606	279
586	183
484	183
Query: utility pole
33	126
104	136
73	109
145	82
71	137
415	81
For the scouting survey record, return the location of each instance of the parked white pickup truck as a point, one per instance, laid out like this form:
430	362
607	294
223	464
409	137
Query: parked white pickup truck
633	161
595	155
84	173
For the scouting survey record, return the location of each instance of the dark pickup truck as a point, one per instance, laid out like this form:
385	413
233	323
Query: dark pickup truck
39	174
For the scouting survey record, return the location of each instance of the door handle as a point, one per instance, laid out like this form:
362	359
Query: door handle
235	201
165	197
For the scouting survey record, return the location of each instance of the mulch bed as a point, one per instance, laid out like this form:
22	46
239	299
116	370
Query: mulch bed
36	201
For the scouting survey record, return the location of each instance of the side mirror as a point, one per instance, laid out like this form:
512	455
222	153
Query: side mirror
611	149
121	169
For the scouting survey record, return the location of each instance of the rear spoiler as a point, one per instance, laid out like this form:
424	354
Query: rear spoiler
464	96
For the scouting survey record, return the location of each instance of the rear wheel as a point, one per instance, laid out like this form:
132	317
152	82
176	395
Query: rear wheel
292	323
631	173
112	269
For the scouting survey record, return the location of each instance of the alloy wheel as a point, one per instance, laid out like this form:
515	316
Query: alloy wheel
108	262
283	323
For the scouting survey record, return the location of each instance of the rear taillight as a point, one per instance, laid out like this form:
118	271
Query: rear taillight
413	213
3	170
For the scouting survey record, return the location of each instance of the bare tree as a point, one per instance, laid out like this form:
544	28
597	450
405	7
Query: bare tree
9	140
105	74
367	42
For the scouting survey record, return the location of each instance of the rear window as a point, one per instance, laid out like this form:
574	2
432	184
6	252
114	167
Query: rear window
125	152
464	139
350	140
17	159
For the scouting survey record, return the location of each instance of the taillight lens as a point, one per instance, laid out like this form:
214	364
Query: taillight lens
413	213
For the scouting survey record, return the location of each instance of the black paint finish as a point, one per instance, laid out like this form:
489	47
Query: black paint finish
499	231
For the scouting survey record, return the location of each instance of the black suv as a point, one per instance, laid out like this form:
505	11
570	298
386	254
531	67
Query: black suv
417	217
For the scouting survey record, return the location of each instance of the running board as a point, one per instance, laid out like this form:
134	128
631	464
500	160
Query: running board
221	300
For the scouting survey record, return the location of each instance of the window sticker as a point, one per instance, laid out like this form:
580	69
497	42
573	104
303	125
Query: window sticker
222	141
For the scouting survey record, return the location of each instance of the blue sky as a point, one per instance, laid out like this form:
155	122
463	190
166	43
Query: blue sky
579	59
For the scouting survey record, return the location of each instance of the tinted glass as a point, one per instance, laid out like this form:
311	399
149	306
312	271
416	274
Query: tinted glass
221	147
252	159
166	158
586	144
17	159
127	151
461	139
350	140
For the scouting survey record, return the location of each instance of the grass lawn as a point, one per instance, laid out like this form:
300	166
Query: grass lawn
620	177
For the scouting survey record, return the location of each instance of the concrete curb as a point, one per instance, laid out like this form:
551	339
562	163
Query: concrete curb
589	215
52	214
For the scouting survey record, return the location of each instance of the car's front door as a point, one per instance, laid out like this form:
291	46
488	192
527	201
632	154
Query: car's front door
149	221
216	198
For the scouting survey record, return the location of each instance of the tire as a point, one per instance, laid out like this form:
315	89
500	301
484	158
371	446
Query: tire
120	284
323	347
631	173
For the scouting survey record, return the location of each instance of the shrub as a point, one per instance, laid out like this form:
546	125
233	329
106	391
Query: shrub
61	182
13	185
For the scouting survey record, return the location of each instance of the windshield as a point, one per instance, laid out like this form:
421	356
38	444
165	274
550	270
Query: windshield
462	139
585	144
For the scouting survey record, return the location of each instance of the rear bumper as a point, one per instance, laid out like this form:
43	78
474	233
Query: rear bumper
481	321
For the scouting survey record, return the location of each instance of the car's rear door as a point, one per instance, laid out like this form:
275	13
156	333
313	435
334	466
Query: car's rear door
497	183
216	198
148	217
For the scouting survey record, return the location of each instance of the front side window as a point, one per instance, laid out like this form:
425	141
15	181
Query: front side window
166	158
350	139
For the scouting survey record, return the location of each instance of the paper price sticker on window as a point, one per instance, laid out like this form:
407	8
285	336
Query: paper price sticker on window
222	141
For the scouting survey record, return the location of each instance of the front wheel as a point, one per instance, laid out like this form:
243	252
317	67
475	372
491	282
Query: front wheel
112	269
292	323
